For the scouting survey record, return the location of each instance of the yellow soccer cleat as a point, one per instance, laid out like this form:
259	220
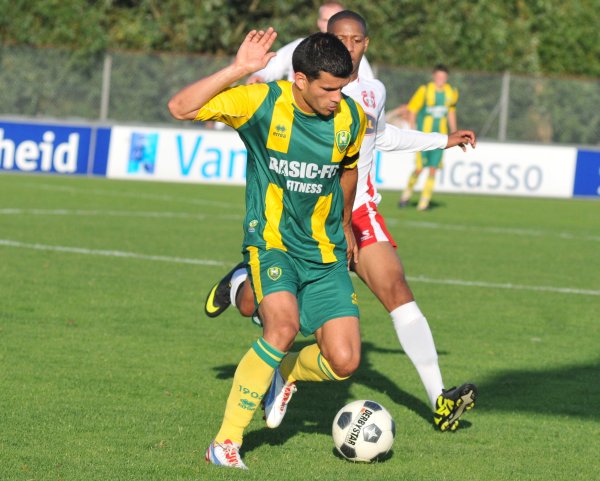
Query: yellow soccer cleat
451	405
219	297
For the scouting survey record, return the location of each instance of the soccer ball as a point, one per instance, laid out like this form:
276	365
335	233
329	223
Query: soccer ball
363	431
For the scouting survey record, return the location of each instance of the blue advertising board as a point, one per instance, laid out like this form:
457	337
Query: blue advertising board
101	149
587	174
49	148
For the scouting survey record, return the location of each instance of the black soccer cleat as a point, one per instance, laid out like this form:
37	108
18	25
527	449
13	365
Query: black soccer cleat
219	297
451	405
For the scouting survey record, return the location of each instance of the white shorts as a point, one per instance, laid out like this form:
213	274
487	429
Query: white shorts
369	227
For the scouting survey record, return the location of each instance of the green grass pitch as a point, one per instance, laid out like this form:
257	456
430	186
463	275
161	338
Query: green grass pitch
110	371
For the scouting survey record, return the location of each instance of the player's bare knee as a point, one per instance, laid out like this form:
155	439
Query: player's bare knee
282	336
344	362
345	370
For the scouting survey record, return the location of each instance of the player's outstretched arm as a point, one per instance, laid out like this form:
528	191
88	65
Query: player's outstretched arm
462	138
392	139
252	55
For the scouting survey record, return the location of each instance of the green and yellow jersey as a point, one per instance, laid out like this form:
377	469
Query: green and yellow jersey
294	201
432	107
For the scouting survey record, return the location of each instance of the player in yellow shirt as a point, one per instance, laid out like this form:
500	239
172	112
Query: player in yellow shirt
431	109
379	266
303	141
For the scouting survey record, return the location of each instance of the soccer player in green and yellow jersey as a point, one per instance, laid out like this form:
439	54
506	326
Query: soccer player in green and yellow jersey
431	109
303	139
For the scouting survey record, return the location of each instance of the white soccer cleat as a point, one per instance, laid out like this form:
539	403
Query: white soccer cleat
278	397
225	454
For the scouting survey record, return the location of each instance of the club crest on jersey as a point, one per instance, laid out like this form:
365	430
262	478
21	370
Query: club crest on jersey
274	273
369	99
342	140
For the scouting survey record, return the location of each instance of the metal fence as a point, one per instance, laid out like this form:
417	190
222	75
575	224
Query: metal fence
135	87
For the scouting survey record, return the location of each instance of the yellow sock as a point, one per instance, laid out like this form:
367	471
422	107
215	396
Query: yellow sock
427	191
412	180
307	365
252	378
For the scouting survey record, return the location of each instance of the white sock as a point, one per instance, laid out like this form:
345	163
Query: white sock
417	341
237	280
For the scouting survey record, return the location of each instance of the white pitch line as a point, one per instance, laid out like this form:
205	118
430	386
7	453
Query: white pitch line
137	195
240	217
107	253
113	213
492	285
389	220
492	230
208	262
95	213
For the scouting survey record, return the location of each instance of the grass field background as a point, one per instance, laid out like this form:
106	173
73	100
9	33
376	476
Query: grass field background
109	369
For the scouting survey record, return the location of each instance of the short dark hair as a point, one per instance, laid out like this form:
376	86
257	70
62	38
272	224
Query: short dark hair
440	67
348	14
322	52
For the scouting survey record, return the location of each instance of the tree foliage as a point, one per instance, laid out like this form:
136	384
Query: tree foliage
157	46
527	36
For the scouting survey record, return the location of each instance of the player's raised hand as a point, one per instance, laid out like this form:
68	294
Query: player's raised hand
253	53
462	138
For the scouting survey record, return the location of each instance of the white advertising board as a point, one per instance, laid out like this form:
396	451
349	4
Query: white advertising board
183	155
491	168
209	156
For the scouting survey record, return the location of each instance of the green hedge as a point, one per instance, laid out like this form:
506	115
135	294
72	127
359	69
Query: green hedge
526	36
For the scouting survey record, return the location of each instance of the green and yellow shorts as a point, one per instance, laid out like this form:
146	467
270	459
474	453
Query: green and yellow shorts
430	158
324	291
